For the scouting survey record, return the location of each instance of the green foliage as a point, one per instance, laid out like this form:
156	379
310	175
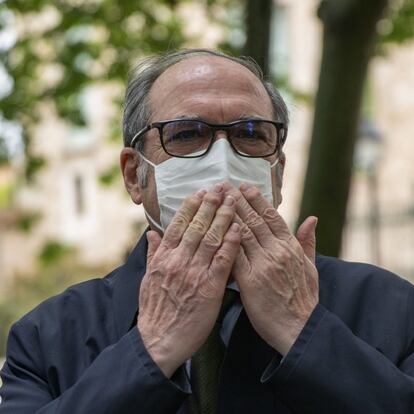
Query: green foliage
5	195
110	175
398	27
53	251
4	153
33	166
26	221
66	45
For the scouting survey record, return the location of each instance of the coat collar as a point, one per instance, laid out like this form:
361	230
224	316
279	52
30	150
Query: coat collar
126	286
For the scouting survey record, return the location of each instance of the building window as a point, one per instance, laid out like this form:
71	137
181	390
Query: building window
79	195
279	41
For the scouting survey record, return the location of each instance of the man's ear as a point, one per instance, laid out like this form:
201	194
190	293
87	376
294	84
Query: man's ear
129	164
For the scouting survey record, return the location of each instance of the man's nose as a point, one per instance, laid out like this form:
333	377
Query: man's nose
220	134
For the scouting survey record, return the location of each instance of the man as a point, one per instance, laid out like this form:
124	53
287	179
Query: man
233	315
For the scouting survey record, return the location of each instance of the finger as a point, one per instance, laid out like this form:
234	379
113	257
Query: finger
214	236
306	237
248	239
265	210
251	218
241	267
181	220
224	258
202	220
154	240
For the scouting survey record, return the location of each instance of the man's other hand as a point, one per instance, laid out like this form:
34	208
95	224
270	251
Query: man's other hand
187	272
275	270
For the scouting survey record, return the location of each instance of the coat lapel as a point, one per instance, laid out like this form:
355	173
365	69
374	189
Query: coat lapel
127	281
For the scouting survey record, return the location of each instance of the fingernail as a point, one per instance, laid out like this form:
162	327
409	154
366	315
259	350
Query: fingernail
229	201
218	188
235	227
245	186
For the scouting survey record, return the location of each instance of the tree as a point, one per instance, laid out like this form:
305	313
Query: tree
349	41
65	46
258	22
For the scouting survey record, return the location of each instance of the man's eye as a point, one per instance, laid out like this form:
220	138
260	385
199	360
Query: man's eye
185	135
250	134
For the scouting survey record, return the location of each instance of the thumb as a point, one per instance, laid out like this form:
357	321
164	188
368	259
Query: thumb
154	240
306	237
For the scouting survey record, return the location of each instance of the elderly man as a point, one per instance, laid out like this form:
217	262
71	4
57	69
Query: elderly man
235	315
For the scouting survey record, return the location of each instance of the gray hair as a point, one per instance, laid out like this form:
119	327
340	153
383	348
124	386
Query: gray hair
137	108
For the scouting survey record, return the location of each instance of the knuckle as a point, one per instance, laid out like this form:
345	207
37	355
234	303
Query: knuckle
174	267
253	192
212	240
233	238
180	220
246	233
174	227
223	259
191	202
225	212
235	193
284	256
213	199
270	213
253	219
198	226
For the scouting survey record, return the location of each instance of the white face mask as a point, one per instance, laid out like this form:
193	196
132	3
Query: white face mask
176	178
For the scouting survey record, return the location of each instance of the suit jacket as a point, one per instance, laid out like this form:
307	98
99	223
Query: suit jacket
80	352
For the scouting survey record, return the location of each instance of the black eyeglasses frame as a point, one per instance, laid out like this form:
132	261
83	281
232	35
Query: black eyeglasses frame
280	128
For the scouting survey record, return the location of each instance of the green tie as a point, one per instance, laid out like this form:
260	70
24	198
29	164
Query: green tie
206	364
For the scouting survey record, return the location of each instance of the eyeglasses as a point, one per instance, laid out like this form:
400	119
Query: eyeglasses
192	138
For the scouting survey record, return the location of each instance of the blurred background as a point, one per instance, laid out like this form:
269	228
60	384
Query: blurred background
344	68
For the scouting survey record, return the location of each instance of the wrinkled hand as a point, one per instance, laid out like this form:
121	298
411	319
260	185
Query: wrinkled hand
187	272
275	271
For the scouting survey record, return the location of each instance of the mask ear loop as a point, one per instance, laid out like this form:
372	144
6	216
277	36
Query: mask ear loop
146	159
274	162
152	221
148	215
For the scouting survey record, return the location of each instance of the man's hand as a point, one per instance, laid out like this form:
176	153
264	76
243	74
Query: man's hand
187	272
275	271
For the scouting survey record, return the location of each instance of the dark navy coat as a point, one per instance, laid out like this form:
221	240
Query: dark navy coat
81	353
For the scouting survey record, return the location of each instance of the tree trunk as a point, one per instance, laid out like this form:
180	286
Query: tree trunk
258	20
348	44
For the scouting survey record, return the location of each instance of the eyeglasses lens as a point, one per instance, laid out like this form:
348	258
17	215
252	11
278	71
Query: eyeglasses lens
183	138
189	138
254	138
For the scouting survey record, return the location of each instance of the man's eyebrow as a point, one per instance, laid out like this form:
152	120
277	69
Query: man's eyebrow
251	117
242	117
190	116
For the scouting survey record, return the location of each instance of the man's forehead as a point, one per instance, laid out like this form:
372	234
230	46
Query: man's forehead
204	68
209	86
